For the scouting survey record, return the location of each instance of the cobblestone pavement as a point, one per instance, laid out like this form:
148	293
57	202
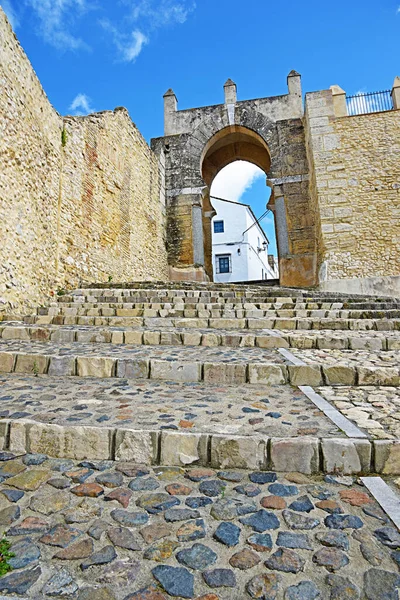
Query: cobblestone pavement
375	409
229	355
349	357
116	531
281	411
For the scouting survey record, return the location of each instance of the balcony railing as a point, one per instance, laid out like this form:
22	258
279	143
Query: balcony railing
371	102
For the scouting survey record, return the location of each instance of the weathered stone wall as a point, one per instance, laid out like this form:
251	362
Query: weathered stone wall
355	184
83	210
30	157
112	219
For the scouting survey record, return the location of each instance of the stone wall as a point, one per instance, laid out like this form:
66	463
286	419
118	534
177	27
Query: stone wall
112	219
355	185
30	155
83	210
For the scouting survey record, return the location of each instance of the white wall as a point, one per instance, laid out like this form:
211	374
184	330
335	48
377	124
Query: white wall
247	263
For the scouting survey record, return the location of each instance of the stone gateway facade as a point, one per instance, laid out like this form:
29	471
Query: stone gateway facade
85	198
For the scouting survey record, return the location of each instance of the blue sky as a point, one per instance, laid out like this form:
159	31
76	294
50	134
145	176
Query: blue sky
99	54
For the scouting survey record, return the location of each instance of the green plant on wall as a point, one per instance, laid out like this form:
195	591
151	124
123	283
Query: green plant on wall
5	554
64	137
35	369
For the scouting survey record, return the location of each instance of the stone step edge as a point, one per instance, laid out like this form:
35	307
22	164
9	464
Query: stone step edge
207	313
295	324
314	375
170	448
190	337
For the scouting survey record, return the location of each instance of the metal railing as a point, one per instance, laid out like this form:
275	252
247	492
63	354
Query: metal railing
370	102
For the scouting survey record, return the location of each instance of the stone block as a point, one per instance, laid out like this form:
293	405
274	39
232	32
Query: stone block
140	447
260	323
179	449
175	371
346	456
192	338
329	343
7	361
4	434
393	344
75	442
40	334
134	337
228	323
31	363
305	375
303	342
238	452
378	376
210	340
387	457
224	373
18	436
95	366
131	368
62	366
367	343
117	337
267	374
340	375
151	338
170	338
271	341
298	454
15	333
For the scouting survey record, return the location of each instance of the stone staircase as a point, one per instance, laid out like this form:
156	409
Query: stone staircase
227	376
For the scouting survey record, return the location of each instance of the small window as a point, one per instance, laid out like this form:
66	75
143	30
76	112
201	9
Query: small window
224	264
218	227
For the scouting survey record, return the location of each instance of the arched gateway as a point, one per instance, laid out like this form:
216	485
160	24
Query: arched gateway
199	142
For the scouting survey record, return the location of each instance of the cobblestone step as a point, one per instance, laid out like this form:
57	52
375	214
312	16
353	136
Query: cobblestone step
107	310
209	364
342	339
336	324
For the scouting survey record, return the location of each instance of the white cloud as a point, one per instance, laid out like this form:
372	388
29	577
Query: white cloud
81	105
10	12
398	10
130	45
146	16
232	181
160	13
55	18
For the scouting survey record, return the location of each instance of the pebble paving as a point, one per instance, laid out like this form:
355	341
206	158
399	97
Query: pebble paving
376	409
332	357
99	530
278	410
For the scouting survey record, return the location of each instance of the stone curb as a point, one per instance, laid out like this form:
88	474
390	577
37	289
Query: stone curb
313	375
173	448
280	324
160	337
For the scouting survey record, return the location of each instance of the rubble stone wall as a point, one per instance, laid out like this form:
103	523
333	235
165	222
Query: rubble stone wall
81	198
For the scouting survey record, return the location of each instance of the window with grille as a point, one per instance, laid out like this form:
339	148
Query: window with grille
218	227
224	263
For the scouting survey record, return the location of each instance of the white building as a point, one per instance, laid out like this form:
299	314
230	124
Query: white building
239	245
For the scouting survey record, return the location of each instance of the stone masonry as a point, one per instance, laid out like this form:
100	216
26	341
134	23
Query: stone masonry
201	441
81	197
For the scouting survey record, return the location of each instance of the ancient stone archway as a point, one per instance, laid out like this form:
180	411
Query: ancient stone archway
199	142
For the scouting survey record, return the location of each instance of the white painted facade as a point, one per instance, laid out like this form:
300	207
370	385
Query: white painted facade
242	246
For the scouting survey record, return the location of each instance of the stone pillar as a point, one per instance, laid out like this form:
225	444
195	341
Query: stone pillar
295	93
170	108
339	101
396	93
294	83
230	92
